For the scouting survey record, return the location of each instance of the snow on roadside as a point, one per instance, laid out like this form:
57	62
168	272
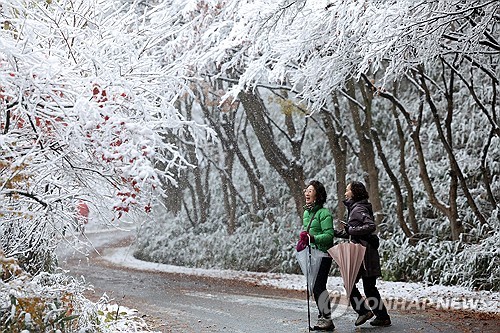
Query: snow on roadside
401	295
121	319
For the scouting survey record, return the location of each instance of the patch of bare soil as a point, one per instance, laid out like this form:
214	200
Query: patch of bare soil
466	321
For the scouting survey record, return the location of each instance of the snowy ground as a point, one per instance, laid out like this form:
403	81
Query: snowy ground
397	295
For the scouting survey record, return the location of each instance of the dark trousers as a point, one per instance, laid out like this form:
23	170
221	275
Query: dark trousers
321	295
373	299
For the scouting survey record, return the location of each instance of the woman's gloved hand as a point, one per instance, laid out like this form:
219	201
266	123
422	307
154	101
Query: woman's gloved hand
305	237
341	234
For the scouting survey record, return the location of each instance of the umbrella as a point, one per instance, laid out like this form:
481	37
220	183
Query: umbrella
349	257
309	261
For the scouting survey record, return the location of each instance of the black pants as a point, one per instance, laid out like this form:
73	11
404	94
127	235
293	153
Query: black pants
321	295
373	299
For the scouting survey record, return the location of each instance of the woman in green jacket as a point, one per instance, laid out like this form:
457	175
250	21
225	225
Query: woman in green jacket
319	231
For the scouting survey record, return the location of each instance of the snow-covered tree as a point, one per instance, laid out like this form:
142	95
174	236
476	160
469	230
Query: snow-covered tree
86	112
312	48
387	82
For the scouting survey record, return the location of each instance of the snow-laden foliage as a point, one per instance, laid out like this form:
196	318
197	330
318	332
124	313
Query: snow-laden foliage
257	244
437	261
55	303
313	47
414	85
46	302
85	115
114	318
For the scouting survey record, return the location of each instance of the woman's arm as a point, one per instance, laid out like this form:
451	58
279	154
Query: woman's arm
326	236
361	222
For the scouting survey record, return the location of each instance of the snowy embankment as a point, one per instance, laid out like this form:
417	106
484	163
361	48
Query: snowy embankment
397	295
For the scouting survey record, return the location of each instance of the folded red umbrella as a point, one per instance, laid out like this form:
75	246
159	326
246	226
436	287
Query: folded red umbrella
349	256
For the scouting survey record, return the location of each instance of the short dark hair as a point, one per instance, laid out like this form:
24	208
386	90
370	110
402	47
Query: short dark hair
320	192
359	191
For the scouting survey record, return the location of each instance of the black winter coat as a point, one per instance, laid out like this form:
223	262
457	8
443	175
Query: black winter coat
361	228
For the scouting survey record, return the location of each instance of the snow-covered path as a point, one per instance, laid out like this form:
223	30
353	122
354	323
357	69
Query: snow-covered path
178	299
409	296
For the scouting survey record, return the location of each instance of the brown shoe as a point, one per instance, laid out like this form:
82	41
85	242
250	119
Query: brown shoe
324	324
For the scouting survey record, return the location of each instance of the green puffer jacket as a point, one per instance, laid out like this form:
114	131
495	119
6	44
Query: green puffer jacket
321	227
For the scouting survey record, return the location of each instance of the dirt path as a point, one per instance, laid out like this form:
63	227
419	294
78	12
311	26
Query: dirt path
172	302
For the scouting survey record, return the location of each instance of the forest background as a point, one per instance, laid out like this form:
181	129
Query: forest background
206	120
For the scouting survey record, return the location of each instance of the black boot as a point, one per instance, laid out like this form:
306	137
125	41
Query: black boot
381	322
363	318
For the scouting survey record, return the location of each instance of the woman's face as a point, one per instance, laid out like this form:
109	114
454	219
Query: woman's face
348	192
310	194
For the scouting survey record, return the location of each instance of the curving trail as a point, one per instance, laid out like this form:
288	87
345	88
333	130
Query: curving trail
172	302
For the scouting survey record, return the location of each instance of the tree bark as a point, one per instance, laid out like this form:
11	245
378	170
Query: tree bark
410	201
291	171
493	121
451	156
397	188
367	152
338	147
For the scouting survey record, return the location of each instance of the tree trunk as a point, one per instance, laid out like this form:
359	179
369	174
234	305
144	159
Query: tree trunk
228	192
291	171
200	197
367	152
338	147
397	188
485	170
456	227
451	156
410	201
259	197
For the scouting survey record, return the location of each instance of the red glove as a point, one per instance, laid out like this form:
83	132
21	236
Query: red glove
305	236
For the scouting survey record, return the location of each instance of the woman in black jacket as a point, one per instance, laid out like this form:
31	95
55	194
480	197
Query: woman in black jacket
360	228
